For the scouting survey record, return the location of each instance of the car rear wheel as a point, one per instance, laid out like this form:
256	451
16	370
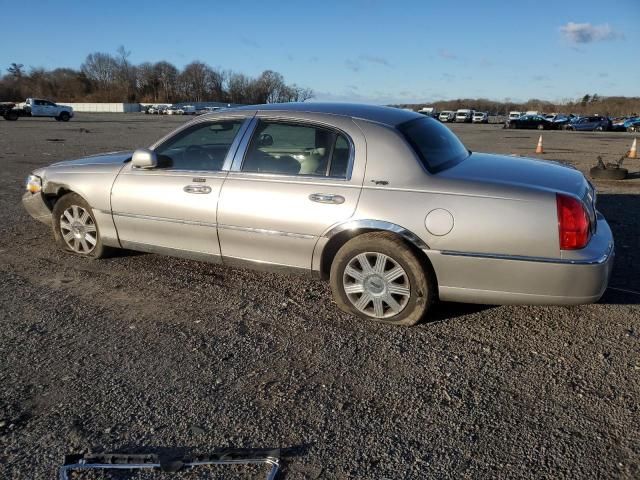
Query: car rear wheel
376	276
75	228
64	116
599	129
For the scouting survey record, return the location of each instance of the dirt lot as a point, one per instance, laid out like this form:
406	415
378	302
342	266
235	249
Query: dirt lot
144	352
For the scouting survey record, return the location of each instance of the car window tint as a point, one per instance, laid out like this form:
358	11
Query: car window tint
436	146
340	160
295	149
201	147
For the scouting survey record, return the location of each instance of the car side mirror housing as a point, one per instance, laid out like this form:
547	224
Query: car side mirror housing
144	158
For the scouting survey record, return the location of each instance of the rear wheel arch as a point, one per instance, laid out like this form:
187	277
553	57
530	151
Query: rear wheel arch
341	234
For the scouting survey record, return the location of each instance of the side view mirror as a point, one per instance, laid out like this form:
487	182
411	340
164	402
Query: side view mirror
144	158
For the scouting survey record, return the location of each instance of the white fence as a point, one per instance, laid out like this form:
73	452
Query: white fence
104	107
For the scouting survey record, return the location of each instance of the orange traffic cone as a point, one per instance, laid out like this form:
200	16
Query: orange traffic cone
633	153
539	148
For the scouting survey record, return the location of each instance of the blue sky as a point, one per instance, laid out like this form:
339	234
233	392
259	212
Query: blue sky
360	50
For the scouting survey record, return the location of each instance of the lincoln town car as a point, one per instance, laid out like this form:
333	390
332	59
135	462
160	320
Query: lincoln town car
385	204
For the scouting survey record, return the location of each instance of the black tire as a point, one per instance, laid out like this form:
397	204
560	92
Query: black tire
69	201
64	117
418	273
11	116
609	173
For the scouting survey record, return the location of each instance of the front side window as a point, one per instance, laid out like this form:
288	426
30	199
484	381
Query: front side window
203	146
436	146
297	149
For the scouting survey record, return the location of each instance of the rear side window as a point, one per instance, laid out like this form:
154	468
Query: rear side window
436	146
297	149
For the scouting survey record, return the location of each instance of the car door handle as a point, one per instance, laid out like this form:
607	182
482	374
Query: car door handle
326	198
197	189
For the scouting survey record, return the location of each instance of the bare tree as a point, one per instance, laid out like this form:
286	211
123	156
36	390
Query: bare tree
16	70
168	78
101	68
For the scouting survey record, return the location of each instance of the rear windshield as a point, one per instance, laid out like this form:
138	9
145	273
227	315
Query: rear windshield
436	146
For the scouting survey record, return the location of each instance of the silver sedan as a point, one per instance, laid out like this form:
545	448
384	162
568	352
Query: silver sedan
385	204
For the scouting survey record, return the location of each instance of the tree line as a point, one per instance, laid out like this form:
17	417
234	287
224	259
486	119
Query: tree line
104	77
589	104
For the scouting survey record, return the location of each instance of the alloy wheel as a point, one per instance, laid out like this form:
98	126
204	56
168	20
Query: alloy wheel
78	230
376	285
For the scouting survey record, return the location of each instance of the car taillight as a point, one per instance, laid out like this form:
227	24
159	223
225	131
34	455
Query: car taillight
573	223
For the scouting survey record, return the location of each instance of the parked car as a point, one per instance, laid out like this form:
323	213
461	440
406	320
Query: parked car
156	109
188	110
480	117
632	125
173	110
617	124
447	116
514	115
464	115
531	121
204	110
560	121
310	187
429	112
592	123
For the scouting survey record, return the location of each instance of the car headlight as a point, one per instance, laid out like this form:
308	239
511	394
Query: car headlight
33	184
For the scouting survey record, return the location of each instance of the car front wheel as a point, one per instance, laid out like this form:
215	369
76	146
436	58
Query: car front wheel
75	228
376	276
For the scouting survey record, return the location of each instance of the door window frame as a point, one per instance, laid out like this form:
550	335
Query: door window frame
229	157
243	149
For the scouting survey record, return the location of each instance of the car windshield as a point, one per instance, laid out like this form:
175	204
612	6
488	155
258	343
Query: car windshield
436	146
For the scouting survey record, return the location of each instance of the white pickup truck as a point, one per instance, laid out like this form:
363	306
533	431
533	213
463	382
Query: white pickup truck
36	107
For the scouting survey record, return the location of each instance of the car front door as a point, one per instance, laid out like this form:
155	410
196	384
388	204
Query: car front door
172	208
37	108
294	179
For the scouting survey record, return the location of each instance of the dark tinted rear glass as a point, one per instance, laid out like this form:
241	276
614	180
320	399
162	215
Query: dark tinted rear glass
436	146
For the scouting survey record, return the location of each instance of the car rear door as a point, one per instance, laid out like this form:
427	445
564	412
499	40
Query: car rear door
172	208
292	180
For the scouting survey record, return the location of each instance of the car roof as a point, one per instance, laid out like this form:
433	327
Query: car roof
386	115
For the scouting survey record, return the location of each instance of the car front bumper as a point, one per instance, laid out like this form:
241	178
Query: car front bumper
35	205
502	280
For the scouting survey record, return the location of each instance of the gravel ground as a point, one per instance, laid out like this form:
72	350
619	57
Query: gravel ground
144	352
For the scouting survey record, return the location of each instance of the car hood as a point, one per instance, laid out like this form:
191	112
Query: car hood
519	172
100	159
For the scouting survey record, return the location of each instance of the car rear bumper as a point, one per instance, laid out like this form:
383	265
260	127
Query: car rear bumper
501	280
35	206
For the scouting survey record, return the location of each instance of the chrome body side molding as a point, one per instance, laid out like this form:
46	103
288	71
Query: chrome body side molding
377	225
266	231
165	219
569	261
